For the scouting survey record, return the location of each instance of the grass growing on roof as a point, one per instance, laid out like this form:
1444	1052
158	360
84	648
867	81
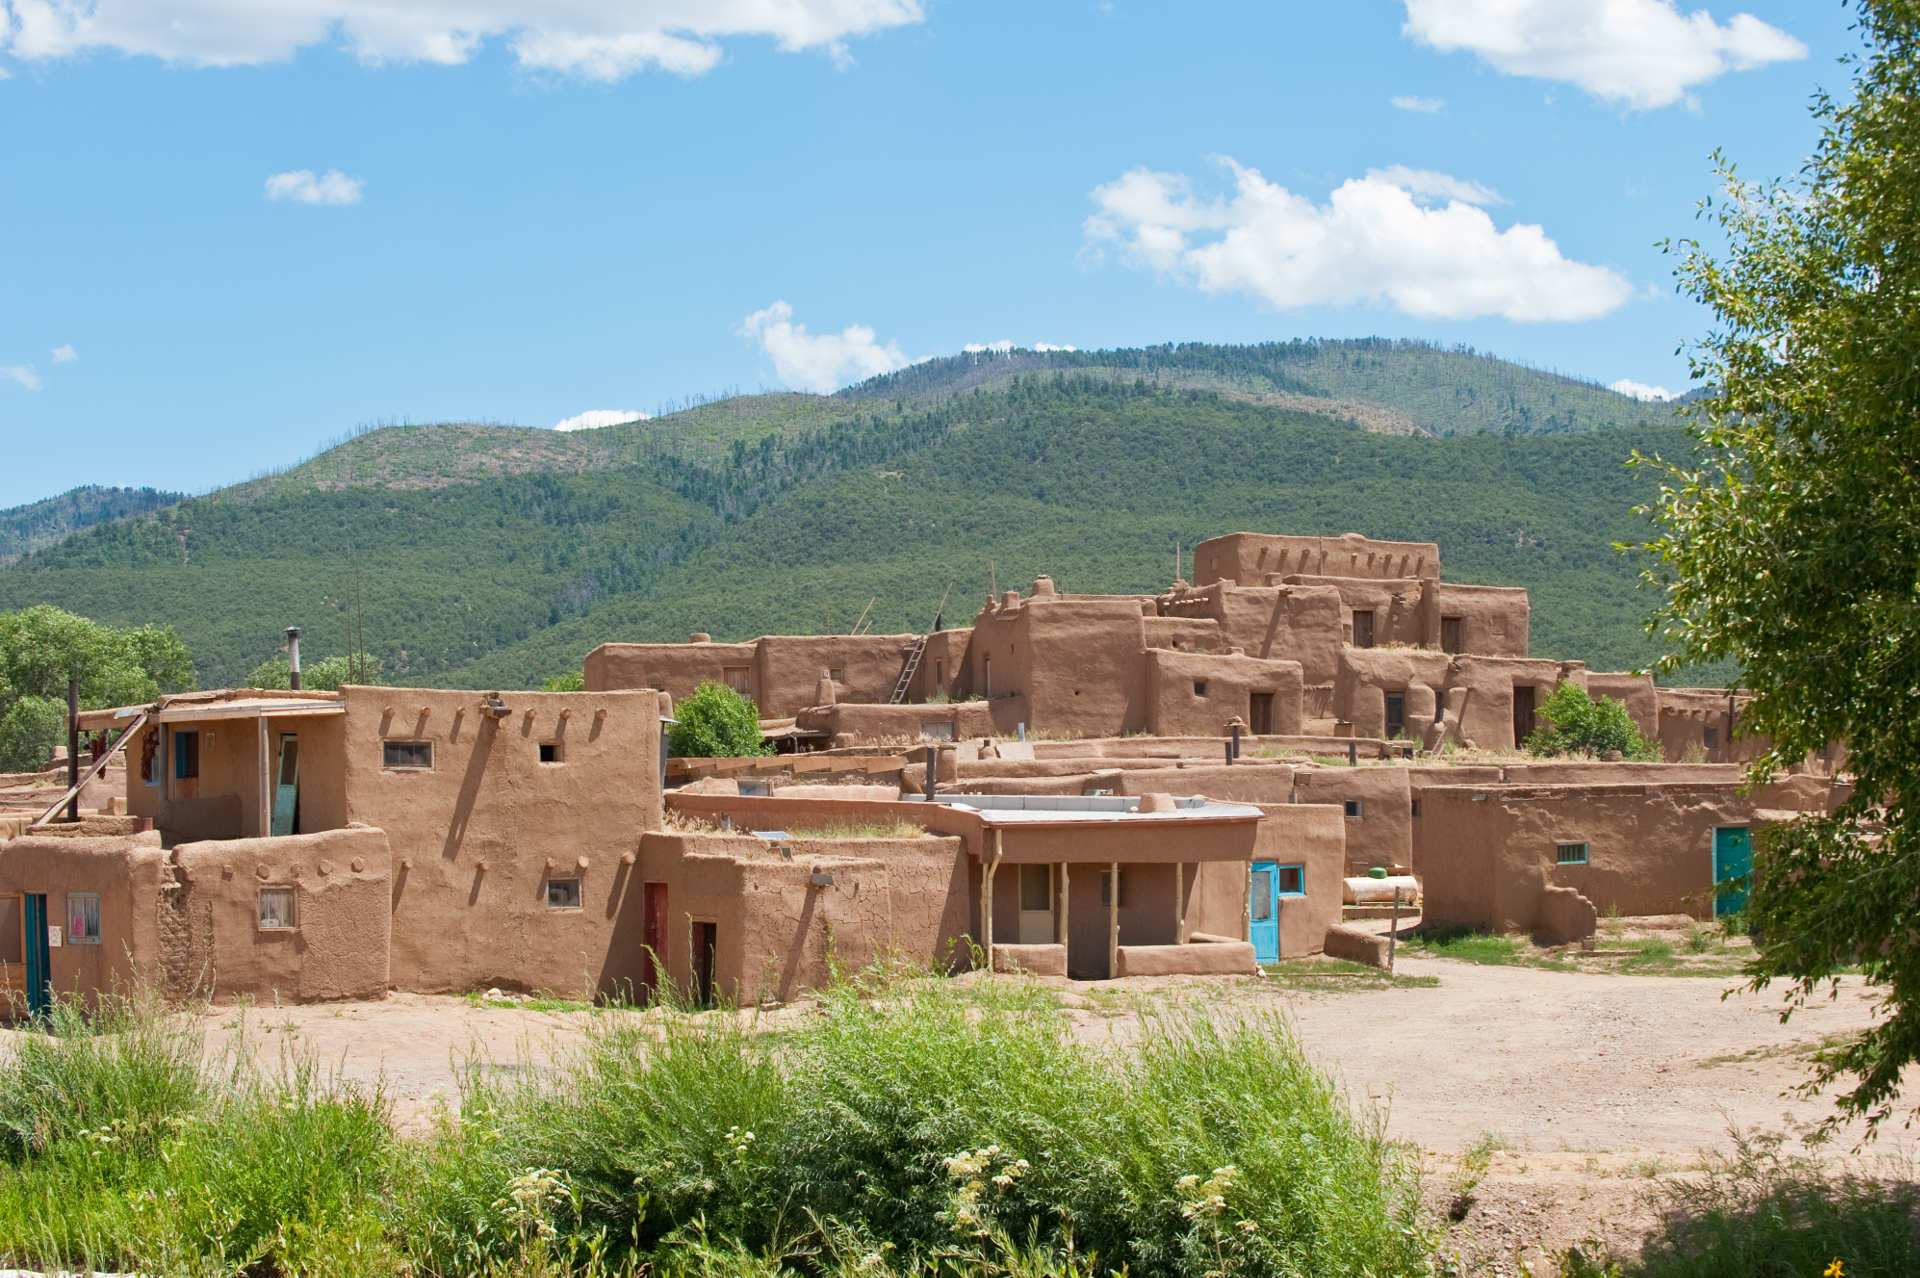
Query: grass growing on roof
852	829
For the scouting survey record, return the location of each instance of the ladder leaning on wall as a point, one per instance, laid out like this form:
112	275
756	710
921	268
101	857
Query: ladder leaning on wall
916	653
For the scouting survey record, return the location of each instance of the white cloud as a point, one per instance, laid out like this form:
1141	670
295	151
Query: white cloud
593	39
821	362
1043	347
1640	390
302	187
1425	106
20	374
1000	347
1373	241
1435	186
595	418
1640	53
65	354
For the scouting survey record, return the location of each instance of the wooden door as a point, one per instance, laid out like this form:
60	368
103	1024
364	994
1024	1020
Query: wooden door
653	934
706	942
1036	905
1363	629
286	788
1523	721
1260	713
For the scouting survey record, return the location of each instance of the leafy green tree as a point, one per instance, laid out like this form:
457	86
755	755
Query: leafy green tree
42	647
1790	542
571	681
715	722
329	674
1575	723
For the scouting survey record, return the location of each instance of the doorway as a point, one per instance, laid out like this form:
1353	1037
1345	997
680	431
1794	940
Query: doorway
1523	707
1260	713
1036	905
37	965
1732	868
286	786
653	934
1396	714
705	942
1263	911
1363	628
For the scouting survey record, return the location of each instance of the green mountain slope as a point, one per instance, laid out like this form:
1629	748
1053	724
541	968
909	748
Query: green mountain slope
495	556
41	523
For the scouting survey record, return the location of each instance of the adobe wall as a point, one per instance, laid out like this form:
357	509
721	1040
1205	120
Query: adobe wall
1637	692
1247	558
1313	835
129	873
1487	855
1689	716
787	669
674	668
1183	634
1295	623
338	946
1078	663
1196	694
1246	782
1401	607
1493	619
861	725
474	838
1382	835
943	667
1483	688
1368	674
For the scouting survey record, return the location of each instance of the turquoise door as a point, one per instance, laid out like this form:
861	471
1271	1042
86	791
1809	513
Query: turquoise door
1732	868
1263	912
286	790
39	956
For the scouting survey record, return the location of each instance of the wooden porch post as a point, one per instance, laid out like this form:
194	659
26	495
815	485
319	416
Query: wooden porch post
1113	920
1060	910
986	899
1179	903
266	780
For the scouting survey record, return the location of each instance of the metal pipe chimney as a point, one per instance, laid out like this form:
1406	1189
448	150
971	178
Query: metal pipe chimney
293	658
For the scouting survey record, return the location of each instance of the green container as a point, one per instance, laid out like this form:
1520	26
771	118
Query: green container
1377	872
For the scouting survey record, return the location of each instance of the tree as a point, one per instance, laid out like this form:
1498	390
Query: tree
571	681
1790	542
715	722
1575	723
41	647
329	674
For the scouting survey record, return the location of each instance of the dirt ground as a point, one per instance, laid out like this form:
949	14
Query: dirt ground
1582	1091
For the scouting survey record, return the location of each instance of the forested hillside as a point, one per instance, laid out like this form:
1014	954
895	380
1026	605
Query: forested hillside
495	556
41	523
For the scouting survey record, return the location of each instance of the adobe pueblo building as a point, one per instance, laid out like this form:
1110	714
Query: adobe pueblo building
1087	786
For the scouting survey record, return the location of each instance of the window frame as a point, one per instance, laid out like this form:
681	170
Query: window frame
292	893
1299	871
387	744
551	753
74	937
1562	848
1355	809
186	762
579	886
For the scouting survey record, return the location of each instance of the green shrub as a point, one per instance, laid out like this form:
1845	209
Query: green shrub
329	674
1575	723
571	681
715	722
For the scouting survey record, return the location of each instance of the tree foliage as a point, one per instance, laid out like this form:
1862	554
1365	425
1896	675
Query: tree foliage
715	722
1791	540
1573	722
329	674
42	647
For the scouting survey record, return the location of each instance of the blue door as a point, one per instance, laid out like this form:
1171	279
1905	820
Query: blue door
1263	912
1732	868
39	956
286	790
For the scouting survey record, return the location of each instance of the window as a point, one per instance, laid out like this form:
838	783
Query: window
755	789
1036	887
1292	880
1450	634
1710	738
1570	854
186	754
734	677
1199	687
406	754
563	894
83	918
276	909
1396	714
1106	889
1355	808
1262	895
549	752
1416	807
838	674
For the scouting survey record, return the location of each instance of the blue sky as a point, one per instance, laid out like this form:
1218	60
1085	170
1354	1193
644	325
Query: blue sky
233	229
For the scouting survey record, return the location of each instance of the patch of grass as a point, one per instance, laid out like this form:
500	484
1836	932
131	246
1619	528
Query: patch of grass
1699	939
1464	944
1322	974
896	829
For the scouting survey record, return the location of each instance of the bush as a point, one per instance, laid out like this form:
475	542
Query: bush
571	681
329	674
715	722
1575	723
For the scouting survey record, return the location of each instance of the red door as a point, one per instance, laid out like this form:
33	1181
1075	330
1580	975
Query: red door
653	932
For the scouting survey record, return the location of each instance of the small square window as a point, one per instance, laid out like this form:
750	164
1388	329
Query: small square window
549	752
1570	854
838	674
186	755
1199	687
1292	880
276	909
563	894
83	918
755	789
1416	807
1710	738
407	754
1355	808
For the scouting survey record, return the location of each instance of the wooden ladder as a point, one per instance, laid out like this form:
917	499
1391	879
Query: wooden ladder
907	671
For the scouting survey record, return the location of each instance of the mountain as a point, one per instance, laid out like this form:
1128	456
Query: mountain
41	523
492	556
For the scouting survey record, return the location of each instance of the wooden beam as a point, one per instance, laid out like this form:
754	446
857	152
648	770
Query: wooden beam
99	765
1113	920
1060	918
266	781
1179	902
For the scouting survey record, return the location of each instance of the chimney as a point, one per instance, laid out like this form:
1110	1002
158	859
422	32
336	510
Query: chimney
293	658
